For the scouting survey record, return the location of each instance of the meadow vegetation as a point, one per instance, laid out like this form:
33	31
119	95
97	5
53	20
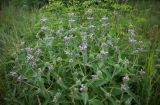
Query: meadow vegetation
95	52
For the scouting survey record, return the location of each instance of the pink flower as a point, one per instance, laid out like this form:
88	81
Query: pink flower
90	18
83	47
44	28
83	88
34	64
126	78
131	31
91	27
67	38
132	40
104	18
38	52
29	49
30	57
142	72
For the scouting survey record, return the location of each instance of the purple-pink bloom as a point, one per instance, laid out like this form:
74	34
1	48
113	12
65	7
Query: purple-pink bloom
66	38
34	64
104	18
30	57
44	28
90	17
126	78
83	88
91	27
131	31
142	72
38	52
132	40
83	46
29	49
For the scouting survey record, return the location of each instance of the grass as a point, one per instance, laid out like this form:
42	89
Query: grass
150	10
15	25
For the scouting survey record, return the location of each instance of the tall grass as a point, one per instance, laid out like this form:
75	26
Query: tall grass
150	28
15	24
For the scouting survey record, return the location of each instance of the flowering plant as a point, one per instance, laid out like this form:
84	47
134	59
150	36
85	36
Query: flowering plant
87	59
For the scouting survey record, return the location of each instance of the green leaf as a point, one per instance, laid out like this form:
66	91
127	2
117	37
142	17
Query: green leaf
95	102
85	98
99	83
134	97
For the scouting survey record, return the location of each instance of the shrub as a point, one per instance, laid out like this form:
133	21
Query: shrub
28	3
88	57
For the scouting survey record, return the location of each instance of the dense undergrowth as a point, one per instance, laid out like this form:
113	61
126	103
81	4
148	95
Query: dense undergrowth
79	55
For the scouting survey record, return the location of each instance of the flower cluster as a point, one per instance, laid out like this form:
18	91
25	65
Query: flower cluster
76	59
104	21
30	57
83	47
43	20
83	88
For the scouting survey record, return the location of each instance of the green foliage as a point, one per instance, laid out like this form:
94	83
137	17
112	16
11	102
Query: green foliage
28	3
55	6
95	55
84	61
